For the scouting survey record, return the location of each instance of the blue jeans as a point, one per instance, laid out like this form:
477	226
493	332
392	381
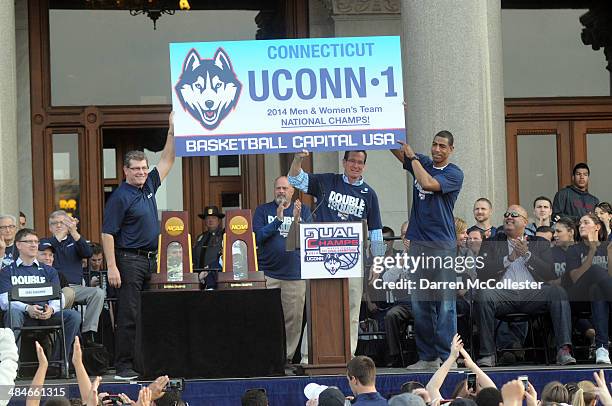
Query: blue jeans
72	325
435	314
600	307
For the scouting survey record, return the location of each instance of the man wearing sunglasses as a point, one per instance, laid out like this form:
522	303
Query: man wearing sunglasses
515	259
431	232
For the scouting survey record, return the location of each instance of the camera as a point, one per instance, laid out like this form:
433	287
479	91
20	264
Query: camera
471	382
116	399
525	380
175	385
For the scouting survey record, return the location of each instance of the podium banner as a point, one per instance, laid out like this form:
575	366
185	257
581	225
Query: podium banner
279	96
331	250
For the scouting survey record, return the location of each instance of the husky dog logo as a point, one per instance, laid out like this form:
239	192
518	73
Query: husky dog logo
331	263
208	88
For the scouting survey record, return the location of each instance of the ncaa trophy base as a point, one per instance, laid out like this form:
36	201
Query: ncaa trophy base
254	280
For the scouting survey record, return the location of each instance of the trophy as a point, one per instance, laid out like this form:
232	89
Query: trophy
174	269
239	254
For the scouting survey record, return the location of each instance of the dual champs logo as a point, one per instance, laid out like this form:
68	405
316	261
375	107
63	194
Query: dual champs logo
336	247
208	89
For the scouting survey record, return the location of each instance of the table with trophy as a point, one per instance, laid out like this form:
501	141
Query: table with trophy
234	331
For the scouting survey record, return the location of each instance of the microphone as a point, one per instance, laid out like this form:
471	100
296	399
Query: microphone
293	238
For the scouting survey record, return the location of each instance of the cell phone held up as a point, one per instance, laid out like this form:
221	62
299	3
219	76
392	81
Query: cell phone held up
525	380
471	382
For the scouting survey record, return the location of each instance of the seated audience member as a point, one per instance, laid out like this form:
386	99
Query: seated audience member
207	249
361	374
483	209
8	361
46	256
22	220
587	278
406	399
254	397
542	213
511	257
564	237
574	201
27	270
438	378
70	249
545	232
604	211
8	228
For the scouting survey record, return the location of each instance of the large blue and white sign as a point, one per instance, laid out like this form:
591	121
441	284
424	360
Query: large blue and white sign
331	250
318	94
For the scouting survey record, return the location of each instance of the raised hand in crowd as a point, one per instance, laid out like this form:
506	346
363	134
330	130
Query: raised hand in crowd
436	381
513	393
79	368
531	396
144	397
92	396
158	386
296	165
39	378
482	379
603	393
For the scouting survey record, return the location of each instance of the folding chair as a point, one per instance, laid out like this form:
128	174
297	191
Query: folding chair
32	294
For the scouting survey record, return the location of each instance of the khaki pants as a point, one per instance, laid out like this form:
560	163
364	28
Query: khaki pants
293	295
355	293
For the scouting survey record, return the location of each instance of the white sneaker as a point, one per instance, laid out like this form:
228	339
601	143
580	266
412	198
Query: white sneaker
425	365
602	356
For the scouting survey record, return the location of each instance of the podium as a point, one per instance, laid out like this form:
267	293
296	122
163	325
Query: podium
330	254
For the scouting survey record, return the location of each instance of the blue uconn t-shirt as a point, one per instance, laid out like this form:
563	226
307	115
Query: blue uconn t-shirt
344	202
431	218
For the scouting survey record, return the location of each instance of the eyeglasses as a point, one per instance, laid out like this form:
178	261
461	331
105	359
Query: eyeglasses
7	227
513	214
30	242
139	168
55	223
355	162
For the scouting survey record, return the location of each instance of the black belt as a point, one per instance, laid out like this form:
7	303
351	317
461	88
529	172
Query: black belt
137	251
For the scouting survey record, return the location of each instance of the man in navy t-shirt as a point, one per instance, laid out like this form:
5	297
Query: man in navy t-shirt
271	223
129	237
361	374
343	197
26	270
431	231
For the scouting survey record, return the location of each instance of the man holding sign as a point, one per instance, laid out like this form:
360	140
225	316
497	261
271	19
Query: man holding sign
344	197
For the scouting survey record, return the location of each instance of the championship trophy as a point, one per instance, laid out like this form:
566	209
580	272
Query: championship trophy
239	254
174	268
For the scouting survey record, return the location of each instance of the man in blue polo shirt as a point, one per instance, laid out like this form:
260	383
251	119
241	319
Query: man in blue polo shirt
344	197
26	270
271	223
129	237
431	232
70	248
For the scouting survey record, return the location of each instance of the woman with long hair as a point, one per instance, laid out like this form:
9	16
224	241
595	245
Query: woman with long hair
587	280
604	211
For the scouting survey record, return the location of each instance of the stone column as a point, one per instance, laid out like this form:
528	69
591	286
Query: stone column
453	81
9	194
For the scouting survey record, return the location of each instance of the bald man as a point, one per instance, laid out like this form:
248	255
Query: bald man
523	264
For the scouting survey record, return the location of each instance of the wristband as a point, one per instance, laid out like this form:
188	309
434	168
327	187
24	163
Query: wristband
414	158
